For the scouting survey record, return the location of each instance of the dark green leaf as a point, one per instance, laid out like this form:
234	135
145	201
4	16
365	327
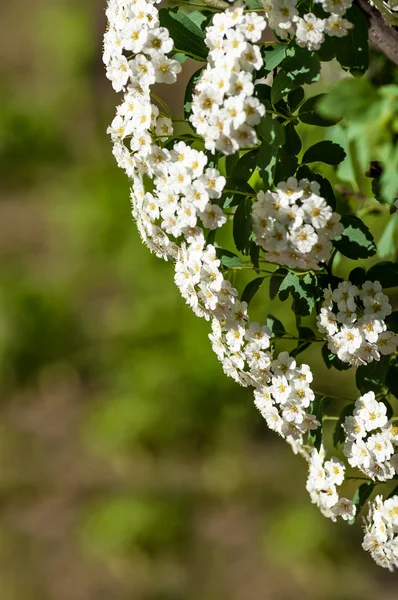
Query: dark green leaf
255	254
251	289
301	291
392	321
360	497
394	492
271	131
356	241
352	50
295	98
303	333
386	272
339	435
293	142
276	327
350	98
276	281
245	166
189	92
266	163
331	360
357	276
371	377
187	36
303	67
242	225
308	113
326	152
392	380
286	165
318	409
236	190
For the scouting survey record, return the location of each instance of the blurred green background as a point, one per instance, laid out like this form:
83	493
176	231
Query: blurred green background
130	467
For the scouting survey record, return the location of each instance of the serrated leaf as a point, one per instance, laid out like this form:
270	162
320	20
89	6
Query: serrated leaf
356	241
189	92
357	276
318	408
187	36
292	142
276	281
273	56
352	50
331	360
301	291
251	289
326	152
295	98
271	131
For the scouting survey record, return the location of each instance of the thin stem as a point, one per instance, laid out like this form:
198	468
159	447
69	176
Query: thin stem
329	418
318	393
240	193
190	54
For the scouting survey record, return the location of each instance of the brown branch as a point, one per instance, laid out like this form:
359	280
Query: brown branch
381	35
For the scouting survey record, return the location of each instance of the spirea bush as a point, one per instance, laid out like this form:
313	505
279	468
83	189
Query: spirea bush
236	188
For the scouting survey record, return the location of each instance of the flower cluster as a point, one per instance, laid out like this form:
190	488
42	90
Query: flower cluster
294	224
285	400
370	439
309	30
352	319
134	26
224	109
324	477
381	529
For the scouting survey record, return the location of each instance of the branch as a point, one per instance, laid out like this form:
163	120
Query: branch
380	34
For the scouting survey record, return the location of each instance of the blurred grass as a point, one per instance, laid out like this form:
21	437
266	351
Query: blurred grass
130	467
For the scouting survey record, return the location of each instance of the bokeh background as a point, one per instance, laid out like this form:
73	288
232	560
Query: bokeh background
130	467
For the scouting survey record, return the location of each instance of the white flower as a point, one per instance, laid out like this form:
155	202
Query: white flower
309	31
337	26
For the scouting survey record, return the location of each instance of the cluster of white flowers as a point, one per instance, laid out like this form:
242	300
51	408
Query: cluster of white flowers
324	477
352	320
224	109
309	30
370	439
285	400
134	27
295	225
381	532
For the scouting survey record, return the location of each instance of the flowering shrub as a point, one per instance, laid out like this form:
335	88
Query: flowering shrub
236	164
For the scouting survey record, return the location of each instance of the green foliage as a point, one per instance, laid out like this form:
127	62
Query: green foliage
339	435
356	241
372	376
361	495
187	35
298	68
301	290
326	152
318	409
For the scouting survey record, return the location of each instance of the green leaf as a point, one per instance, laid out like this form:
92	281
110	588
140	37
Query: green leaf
251	289
327	192
386	272
293	142
386	244
356	241
392	380
189	92
303	333
326	152
276	281
295	98
271	131
286	165
318	408
360	497
372	377
303	67
331	360
266	163
357	276
187	36
276	327
228	259
245	166
339	435
273	56
240	188
301	291
352	50
392	321
309	114
242	225
394	492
